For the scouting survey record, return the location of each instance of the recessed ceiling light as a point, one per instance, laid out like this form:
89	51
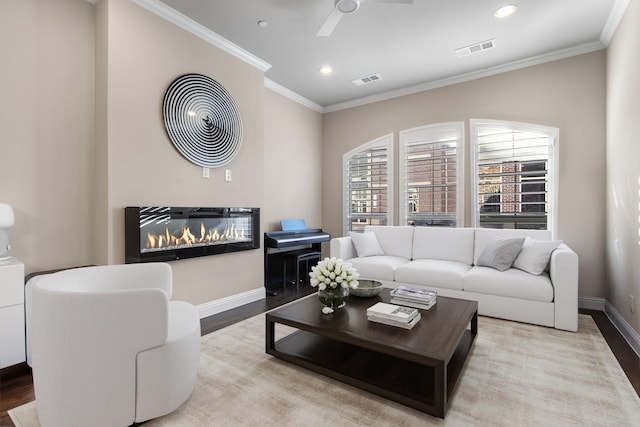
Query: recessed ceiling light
263	24
326	70
505	11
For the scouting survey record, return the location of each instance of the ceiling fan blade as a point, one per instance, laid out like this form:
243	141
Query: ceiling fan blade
330	23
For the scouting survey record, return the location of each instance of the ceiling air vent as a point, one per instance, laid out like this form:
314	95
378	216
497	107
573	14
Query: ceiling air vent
475	48
368	79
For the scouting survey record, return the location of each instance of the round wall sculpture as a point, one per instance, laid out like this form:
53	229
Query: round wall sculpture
202	120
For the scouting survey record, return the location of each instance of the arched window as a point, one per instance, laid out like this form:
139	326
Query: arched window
431	177
514	175
367	185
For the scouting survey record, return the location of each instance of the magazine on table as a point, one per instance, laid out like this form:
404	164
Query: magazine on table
393	312
408	303
413	294
405	325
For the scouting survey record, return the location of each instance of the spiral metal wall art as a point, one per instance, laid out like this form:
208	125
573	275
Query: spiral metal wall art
202	120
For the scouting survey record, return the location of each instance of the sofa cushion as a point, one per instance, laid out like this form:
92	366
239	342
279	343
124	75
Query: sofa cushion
512	283
432	272
484	236
450	244
535	255
394	240
366	244
500	253
377	267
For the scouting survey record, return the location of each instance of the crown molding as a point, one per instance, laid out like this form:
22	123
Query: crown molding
188	24
614	19
182	21
461	78
270	84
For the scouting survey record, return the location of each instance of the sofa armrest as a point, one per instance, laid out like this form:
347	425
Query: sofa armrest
342	247
563	270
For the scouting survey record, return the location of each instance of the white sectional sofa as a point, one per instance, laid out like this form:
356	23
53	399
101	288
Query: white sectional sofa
446	260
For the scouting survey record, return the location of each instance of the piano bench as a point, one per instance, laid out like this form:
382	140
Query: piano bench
299	257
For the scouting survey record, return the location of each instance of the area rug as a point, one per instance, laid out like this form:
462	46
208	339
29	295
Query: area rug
516	375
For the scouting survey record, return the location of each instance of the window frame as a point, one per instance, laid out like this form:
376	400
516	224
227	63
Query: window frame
385	141
552	133
428	133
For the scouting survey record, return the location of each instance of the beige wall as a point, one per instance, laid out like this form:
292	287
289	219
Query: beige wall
568	94
623	167
82	89
101	177
145	54
293	162
47	121
63	60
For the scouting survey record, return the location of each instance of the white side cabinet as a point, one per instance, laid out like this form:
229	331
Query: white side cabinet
11	312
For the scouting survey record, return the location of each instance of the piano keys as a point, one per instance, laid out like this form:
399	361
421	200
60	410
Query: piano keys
277	244
283	239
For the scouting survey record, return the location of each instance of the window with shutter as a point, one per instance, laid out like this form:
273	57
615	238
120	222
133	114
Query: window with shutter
367	185
431	178
514	175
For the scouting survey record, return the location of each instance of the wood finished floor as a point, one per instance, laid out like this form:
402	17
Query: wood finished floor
16	383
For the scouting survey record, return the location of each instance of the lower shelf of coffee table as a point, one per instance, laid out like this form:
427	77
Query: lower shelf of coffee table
403	381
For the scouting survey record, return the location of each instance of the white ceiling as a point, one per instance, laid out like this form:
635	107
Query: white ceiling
411	46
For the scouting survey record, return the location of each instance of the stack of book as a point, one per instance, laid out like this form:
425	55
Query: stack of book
413	297
394	315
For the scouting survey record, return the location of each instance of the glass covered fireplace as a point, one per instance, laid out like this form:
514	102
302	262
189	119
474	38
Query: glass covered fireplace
161	233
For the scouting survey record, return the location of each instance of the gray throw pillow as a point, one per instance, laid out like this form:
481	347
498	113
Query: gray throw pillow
500	253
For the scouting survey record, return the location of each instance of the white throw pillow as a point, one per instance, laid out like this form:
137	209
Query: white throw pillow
366	244
500	253
535	255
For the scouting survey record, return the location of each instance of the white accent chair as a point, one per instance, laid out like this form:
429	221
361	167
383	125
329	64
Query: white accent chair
107	346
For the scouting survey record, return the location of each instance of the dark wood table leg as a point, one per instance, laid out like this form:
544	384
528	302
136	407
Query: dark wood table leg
474	323
440	389
270	335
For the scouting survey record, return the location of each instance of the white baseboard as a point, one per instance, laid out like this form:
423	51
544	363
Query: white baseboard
621	324
223	304
592	303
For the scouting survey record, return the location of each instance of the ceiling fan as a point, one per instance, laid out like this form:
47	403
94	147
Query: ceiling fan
342	7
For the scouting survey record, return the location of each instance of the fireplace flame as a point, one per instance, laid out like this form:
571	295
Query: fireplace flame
187	237
151	240
184	237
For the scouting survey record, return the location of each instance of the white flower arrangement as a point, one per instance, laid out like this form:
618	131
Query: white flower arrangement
333	273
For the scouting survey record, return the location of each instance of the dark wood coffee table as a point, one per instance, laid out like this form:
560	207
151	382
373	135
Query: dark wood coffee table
417	367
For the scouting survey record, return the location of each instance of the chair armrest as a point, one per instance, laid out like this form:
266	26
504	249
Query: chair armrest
342	247
563	270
